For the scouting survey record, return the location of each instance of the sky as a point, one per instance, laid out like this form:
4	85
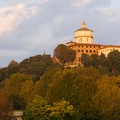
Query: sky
30	27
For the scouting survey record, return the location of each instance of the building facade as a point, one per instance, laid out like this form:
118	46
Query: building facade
84	43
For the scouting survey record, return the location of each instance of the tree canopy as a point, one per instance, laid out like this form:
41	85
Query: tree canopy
64	54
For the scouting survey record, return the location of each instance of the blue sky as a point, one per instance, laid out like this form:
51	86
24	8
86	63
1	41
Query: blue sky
28	27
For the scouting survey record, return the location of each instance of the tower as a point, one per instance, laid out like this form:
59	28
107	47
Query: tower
83	35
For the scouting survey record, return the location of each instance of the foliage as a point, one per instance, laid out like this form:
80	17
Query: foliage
109	65
18	102
37	65
37	110
14	88
12	68
107	98
75	85
61	110
113	61
64	54
5	105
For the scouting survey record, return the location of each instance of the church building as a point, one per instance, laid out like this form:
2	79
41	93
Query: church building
84	43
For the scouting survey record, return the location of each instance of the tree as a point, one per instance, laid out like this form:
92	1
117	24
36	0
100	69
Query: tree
12	68
88	61
37	109
26	90
12	89
5	106
61	110
113	61
76	85
107	97
64	54
37	65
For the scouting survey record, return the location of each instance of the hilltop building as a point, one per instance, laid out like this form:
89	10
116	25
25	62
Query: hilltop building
84	43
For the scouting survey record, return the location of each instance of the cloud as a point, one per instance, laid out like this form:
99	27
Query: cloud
90	4
81	3
12	16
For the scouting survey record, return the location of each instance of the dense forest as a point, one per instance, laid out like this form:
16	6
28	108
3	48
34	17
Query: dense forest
48	91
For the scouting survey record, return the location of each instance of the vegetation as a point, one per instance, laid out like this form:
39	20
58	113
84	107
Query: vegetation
47	91
64	54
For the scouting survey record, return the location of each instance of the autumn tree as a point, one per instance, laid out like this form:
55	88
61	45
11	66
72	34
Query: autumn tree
5	106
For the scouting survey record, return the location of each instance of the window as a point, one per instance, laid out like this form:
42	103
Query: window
86	50
78	50
82	50
90	51
94	51
78	45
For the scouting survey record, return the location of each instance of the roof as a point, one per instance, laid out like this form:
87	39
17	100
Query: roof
110	46
83	29
70	42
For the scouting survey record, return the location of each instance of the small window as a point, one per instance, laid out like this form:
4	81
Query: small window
82	50
78	45
94	46
78	50
94	51
90	51
86	50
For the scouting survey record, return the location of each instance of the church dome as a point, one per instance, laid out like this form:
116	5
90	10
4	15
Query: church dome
83	35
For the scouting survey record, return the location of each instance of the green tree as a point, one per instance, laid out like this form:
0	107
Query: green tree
113	62
12	89
37	109
86	60
12	68
107	97
26	90
74	85
37	65
92	60
61	110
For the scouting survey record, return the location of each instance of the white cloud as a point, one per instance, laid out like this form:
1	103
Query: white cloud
81	3
11	17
